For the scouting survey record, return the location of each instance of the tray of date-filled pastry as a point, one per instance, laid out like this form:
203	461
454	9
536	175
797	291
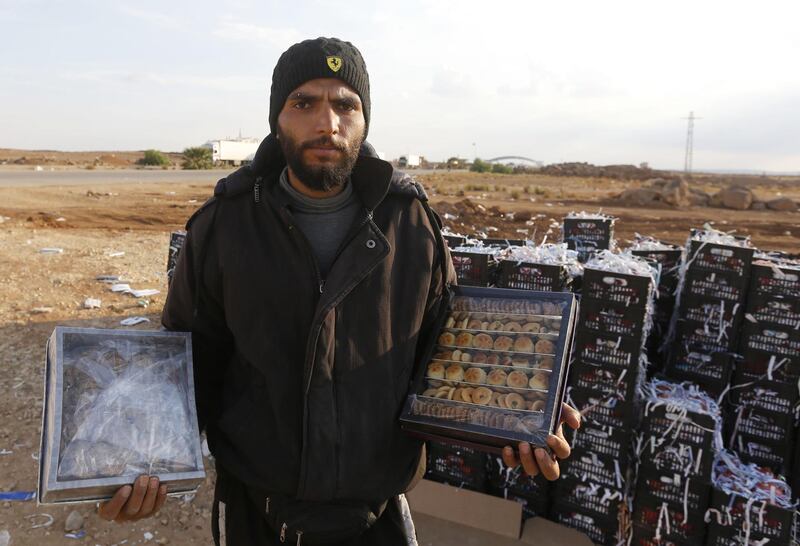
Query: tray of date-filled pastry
496	370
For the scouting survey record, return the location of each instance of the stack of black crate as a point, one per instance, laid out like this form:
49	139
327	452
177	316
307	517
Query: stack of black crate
680	434
544	268
176	241
703	333
475	264
606	372
668	258
588	233
761	416
456	465
749	506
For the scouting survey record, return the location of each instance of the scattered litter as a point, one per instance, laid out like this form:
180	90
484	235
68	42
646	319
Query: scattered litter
143	303
48	520
170	193
116	254
121	288
61	219
192	201
35	456
17	495
448	216
41	310
133	321
51	250
107	278
148	536
79	534
18	385
144	293
5	452
91	303
5	538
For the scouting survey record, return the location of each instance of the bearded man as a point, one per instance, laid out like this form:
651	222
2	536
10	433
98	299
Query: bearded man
311	282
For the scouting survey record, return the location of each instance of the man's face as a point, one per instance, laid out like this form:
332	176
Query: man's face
321	128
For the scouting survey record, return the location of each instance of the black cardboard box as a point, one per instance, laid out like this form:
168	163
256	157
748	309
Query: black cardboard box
673	523
591	498
604	380
773	280
766	520
602	531
587	235
663	456
609	442
611	351
727	286
531	276
602	409
591	467
630	290
473	268
685	427
611	318
674	489
723	258
456	465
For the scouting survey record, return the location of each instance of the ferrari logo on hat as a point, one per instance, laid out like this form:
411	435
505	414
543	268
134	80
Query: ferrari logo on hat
334	63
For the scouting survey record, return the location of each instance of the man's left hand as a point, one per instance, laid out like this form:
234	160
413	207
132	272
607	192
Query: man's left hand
535	461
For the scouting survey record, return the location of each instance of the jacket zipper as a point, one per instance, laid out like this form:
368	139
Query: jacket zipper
309	252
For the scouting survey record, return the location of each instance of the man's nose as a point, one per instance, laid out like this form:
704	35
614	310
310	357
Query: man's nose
327	121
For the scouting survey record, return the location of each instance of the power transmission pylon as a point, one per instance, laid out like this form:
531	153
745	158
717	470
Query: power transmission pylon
687	164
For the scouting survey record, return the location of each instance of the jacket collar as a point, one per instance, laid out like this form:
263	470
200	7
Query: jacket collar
371	176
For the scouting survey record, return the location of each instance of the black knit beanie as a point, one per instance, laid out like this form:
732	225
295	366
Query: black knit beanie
319	58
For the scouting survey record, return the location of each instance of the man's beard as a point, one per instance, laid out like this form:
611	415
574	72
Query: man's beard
325	176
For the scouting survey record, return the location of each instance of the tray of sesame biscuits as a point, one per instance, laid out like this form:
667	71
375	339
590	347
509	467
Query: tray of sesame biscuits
495	371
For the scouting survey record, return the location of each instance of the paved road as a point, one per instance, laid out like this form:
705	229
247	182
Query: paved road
75	177
10	178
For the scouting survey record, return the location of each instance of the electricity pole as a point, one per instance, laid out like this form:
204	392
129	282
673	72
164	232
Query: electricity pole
687	163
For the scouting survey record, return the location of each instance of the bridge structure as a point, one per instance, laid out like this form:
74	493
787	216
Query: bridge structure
515	159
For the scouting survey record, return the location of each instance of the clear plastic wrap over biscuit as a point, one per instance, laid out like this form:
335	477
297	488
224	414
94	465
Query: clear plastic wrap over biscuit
118	404
496	371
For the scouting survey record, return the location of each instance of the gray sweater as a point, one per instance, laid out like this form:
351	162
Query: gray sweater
325	222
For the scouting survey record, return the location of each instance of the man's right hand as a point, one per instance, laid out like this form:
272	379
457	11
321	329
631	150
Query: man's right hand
130	503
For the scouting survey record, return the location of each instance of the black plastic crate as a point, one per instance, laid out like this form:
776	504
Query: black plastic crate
605	441
775	456
690	428
711	310
674	489
721	285
176	241
771	338
531	276
454	241
774	309
673	523
601	531
473	268
592	498
590	467
611	351
660	455
457	465
604	380
774	280
611	318
731	512
711	372
631	290
588	235
668	258
503	243
602	409
706	337
764	395
724	258
756	364
768	427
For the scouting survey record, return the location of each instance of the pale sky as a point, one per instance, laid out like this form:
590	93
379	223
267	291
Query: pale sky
598	81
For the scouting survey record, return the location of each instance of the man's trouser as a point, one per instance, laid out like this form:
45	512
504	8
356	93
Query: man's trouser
237	521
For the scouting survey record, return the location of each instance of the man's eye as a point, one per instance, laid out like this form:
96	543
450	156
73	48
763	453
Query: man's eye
301	105
347	106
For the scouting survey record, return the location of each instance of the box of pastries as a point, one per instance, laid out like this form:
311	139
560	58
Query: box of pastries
496	372
118	404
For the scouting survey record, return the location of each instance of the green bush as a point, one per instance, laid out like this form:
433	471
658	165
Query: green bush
477	187
479	166
154	158
197	158
502	169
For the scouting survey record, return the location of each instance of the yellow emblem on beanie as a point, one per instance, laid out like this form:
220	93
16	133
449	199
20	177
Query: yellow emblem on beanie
334	63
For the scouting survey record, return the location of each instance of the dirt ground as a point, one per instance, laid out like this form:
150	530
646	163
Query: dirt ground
92	224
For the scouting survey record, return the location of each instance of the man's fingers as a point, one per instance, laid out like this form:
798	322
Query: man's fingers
547	464
149	501
110	510
527	460
161	498
559	446
570	416
509	459
134	503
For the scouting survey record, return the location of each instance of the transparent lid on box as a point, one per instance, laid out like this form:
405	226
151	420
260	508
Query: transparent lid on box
495	372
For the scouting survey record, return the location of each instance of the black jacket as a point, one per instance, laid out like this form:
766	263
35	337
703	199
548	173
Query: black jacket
300	385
